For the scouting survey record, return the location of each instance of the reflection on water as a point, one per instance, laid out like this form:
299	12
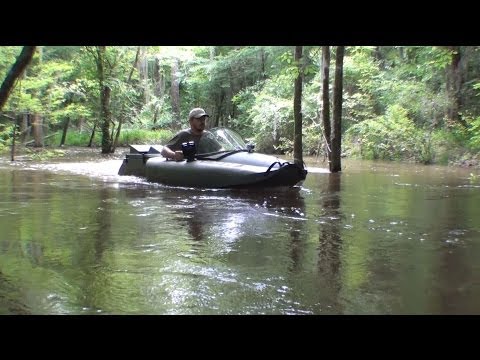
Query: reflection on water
378	238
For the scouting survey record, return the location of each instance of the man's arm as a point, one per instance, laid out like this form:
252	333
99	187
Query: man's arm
170	154
171	150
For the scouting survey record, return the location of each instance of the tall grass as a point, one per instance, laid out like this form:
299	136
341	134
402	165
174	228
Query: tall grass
142	136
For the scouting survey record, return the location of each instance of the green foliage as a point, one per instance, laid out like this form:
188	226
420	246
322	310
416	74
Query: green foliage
44	92
425	151
244	100
389	137
447	144
423	105
290	69
6	131
72	111
22	102
65	53
75	138
360	70
138	136
272	114
8	55
156	114
474	134
394	100
313	140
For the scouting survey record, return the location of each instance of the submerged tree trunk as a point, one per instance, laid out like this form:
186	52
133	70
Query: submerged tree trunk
326	102
335	164
297	109
15	72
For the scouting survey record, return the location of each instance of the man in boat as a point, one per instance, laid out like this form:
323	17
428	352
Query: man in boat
173	149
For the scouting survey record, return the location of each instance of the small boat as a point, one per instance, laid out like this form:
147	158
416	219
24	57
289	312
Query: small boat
222	160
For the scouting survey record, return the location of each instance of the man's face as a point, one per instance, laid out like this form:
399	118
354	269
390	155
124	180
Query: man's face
198	124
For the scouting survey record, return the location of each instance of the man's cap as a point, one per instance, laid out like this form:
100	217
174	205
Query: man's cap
197	113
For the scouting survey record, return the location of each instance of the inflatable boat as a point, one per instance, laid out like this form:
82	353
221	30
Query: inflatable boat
222	160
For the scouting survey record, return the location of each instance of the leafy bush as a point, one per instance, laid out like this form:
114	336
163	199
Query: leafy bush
389	137
474	134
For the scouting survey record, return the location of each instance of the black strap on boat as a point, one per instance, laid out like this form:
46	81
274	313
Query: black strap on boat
210	156
274	163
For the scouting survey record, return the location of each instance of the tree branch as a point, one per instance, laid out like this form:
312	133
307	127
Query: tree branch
15	72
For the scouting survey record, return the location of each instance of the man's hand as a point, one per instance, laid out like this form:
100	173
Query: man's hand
178	155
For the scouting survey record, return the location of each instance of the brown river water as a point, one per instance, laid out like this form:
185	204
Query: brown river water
377	238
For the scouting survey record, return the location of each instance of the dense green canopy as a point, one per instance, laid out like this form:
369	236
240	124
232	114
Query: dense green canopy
414	102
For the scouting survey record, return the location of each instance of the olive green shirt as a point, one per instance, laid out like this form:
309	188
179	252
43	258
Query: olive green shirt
175	143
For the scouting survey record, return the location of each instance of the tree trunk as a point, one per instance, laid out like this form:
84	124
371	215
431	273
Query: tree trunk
90	142
135	63
335	164
121	118
23	128
80	124
158	81
219	107
326	101
37	130
263	60
105	114
15	72
143	73
14	135
64	133
297	109
175	92
454	84
117	136
378	55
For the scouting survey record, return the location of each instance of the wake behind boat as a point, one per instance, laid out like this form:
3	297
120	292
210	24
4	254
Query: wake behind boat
222	160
